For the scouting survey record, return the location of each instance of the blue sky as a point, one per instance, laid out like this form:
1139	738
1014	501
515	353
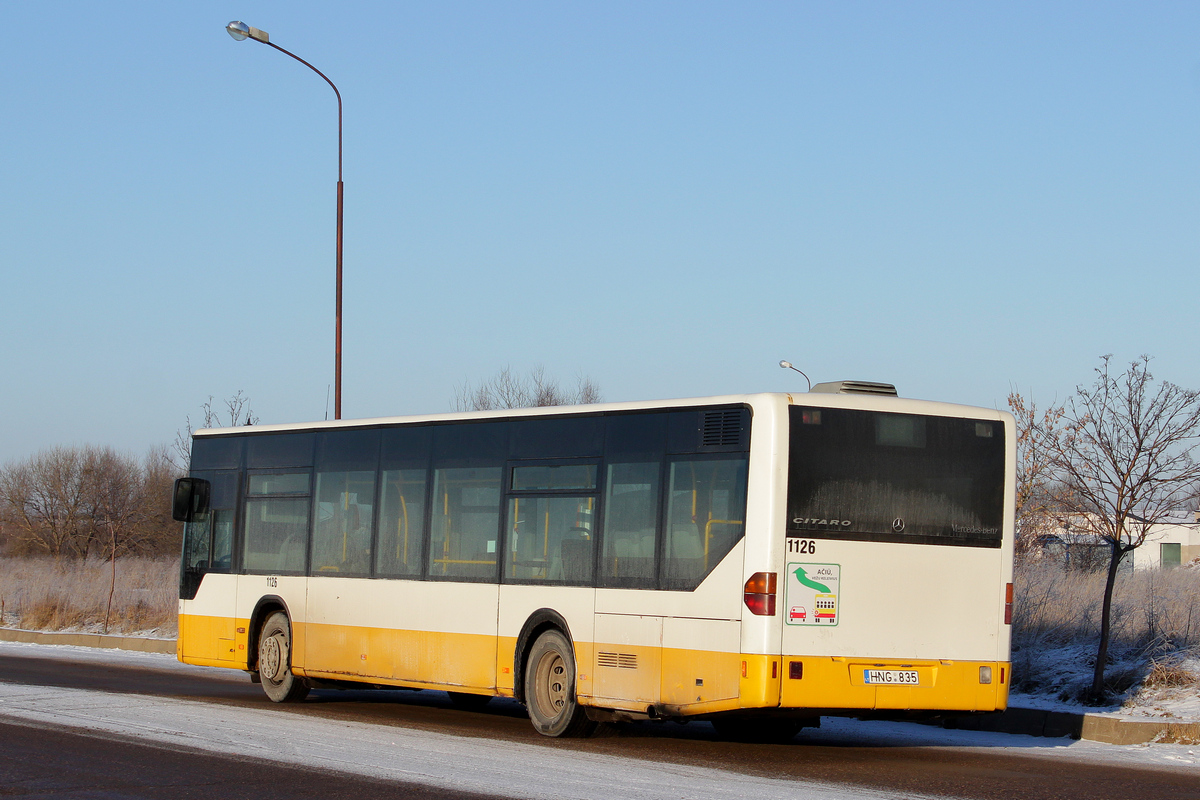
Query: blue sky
957	198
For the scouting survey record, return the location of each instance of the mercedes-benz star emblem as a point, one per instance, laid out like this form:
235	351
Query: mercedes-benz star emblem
898	525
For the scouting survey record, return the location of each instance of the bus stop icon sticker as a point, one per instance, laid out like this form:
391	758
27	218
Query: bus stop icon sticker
812	594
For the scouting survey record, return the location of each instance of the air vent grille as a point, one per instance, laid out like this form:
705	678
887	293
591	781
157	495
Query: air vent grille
722	428
616	660
856	387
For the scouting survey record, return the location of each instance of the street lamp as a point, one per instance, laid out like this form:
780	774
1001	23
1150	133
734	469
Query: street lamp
788	365
240	31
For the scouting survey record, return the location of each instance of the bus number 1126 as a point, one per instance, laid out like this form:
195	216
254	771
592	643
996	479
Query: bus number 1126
802	546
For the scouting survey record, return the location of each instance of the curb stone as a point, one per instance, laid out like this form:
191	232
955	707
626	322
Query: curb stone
138	643
1093	727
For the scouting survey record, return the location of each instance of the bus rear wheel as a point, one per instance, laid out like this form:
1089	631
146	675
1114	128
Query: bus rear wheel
275	661
550	688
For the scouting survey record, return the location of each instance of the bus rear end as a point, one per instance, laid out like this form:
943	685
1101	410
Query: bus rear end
894	594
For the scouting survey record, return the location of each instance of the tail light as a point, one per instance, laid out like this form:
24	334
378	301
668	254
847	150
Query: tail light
760	594
1008	600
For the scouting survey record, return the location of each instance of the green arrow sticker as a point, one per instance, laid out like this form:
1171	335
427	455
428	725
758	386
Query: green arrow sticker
802	576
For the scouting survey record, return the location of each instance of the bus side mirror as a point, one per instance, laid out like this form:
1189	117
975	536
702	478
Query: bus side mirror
190	499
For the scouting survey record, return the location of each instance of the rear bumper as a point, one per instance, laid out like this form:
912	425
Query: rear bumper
837	684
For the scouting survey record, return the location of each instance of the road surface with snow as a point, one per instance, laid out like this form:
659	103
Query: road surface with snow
417	743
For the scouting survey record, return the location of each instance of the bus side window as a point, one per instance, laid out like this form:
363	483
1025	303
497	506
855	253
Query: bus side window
208	538
223	500
275	529
630	520
706	514
222	540
401	522
342	531
196	542
466	522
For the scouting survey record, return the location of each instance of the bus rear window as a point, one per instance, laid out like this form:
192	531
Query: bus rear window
874	476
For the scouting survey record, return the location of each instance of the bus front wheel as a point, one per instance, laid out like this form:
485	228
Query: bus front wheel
550	688
275	661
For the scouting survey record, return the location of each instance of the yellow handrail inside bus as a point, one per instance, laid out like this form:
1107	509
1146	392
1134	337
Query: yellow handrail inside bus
708	533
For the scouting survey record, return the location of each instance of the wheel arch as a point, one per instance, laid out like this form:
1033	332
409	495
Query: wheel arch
539	621
265	607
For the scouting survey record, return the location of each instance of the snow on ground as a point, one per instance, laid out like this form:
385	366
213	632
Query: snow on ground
119	658
473	764
1168	704
1071	676
398	754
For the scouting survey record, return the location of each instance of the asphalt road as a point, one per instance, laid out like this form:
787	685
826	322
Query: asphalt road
36	761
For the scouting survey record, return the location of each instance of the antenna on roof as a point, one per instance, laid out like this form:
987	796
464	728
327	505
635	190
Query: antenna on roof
788	365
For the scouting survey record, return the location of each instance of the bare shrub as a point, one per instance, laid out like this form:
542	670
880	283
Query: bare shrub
1056	620
44	594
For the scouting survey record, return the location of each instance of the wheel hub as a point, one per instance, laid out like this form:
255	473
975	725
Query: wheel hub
552	683
270	658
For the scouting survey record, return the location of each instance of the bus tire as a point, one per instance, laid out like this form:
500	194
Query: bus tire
550	696
275	661
469	702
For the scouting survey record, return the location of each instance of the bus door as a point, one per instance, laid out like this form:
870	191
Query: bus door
627	661
549	557
208	587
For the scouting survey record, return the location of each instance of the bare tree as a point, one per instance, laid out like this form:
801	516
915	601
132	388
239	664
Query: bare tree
43	500
76	501
160	533
1126	460
1040	508
507	389
237	413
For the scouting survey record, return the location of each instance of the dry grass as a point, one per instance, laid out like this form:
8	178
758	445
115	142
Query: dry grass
40	594
1174	735
1056	627
1167	674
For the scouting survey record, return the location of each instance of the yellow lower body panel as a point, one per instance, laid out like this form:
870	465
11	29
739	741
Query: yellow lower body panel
694	679
458	661
822	682
676	682
210	641
759	681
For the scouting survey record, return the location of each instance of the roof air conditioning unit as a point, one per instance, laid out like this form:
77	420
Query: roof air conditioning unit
856	387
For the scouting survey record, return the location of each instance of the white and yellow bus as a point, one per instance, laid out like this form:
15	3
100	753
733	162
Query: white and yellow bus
757	560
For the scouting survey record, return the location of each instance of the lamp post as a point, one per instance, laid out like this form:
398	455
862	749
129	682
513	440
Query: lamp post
240	31
788	365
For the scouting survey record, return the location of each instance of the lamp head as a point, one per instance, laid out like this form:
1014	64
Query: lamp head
788	365
240	31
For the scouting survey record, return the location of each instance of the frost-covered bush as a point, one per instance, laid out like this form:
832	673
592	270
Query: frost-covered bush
1056	619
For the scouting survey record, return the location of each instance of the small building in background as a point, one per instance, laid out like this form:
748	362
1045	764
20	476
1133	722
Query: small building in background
1170	544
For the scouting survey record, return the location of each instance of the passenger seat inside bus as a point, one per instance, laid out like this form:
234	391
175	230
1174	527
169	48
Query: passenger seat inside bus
576	560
